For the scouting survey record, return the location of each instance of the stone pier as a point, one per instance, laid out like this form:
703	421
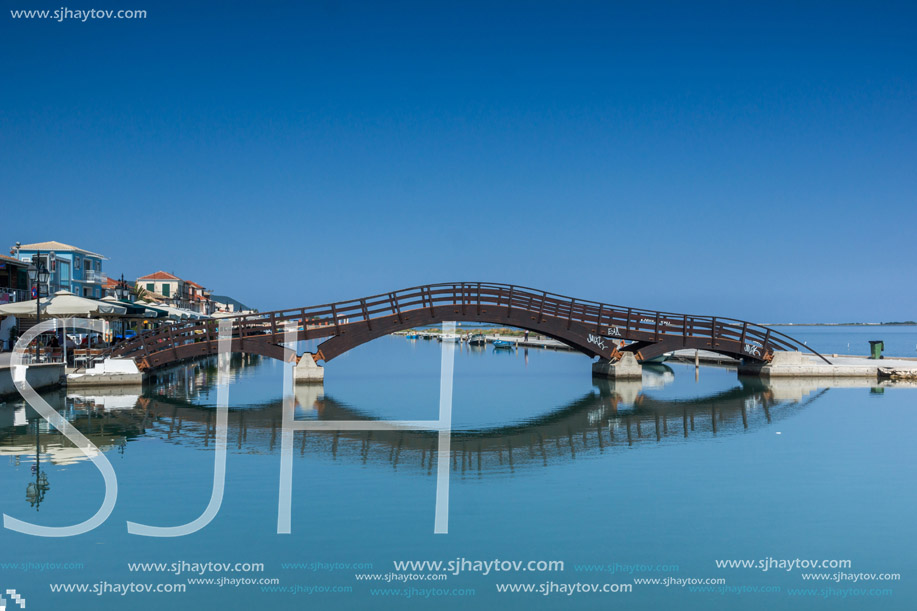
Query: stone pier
799	365
39	376
308	371
626	367
110	372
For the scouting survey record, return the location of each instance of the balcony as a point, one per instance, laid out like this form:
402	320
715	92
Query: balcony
8	295
94	277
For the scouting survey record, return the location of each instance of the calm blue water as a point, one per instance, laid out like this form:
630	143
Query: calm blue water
900	340
659	478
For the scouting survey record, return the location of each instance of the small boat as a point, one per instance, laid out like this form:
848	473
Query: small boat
501	344
449	337
477	339
656	360
412	336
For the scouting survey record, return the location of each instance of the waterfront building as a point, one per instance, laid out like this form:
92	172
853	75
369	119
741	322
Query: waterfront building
14	280
14	286
164	283
72	268
200	297
177	292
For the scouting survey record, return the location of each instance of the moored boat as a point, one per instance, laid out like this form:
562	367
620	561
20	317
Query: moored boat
656	360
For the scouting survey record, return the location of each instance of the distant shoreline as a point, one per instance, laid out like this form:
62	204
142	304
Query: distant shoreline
908	323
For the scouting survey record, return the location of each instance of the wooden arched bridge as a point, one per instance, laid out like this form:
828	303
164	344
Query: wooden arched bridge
596	329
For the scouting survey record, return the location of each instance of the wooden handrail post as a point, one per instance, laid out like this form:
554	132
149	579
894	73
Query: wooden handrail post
172	342
369	323
396	308
430	298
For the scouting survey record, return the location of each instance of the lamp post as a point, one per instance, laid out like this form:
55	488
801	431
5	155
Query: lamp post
39	274
122	293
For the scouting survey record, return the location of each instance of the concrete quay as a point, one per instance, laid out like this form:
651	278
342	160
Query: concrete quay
110	372
801	365
39	376
520	342
703	357
516	340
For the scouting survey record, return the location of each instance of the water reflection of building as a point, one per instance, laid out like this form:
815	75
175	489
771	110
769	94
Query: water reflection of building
108	418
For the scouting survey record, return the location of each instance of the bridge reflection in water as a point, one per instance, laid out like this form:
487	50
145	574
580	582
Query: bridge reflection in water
612	417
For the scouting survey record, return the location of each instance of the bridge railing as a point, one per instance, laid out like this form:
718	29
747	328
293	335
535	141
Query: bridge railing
504	302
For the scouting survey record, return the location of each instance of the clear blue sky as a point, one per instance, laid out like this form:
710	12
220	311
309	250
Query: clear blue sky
748	160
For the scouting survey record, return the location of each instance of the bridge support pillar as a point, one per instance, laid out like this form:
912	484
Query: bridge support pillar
624	368
308	371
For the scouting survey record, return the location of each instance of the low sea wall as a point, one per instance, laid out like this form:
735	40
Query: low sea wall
38	376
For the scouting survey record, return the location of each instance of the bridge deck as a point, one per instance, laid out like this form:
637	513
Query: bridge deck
596	329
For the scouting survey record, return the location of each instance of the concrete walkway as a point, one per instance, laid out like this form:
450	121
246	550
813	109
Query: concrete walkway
798	364
704	357
531	342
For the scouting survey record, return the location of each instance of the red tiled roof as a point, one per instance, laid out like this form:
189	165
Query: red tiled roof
160	275
112	283
194	284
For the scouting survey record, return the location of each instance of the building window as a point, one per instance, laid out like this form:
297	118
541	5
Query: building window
165	290
76	262
151	287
